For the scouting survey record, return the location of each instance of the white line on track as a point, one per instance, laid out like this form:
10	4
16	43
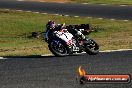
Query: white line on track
76	16
63	15
66	15
100	51
56	14
44	13
103	4
42	1
61	2
112	19
123	5
116	50
89	17
100	18
7	9
20	0
35	12
2	58
47	55
85	3
28	11
19	10
125	20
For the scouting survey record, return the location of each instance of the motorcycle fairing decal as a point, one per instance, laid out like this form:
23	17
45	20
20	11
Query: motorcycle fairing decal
69	42
67	37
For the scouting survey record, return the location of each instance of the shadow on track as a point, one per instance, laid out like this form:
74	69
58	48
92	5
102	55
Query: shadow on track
38	56
30	56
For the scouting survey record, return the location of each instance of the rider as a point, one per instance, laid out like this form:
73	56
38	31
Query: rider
51	27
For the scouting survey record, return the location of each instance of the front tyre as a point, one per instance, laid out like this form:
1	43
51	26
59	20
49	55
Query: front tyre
91	48
58	48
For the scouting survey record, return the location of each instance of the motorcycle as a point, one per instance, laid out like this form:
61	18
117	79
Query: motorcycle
64	43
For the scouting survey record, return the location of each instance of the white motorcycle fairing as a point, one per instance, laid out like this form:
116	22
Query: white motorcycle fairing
65	36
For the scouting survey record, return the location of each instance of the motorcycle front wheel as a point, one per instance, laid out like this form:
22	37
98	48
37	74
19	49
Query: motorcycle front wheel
58	48
92	48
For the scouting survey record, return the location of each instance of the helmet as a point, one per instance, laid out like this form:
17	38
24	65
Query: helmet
51	24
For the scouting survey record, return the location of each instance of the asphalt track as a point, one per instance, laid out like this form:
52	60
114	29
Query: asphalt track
61	72
112	12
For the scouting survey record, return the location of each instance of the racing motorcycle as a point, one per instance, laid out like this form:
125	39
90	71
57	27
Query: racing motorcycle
64	43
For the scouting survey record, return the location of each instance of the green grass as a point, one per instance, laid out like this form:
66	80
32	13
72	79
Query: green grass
16	27
127	2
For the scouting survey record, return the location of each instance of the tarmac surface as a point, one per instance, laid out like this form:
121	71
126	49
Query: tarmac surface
88	10
61	72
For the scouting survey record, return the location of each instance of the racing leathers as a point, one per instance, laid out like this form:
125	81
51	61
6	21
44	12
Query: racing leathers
51	27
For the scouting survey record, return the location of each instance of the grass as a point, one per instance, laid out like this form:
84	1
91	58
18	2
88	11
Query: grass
16	27
117	2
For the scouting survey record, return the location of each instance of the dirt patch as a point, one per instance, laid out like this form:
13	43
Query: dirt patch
52	0
3	41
